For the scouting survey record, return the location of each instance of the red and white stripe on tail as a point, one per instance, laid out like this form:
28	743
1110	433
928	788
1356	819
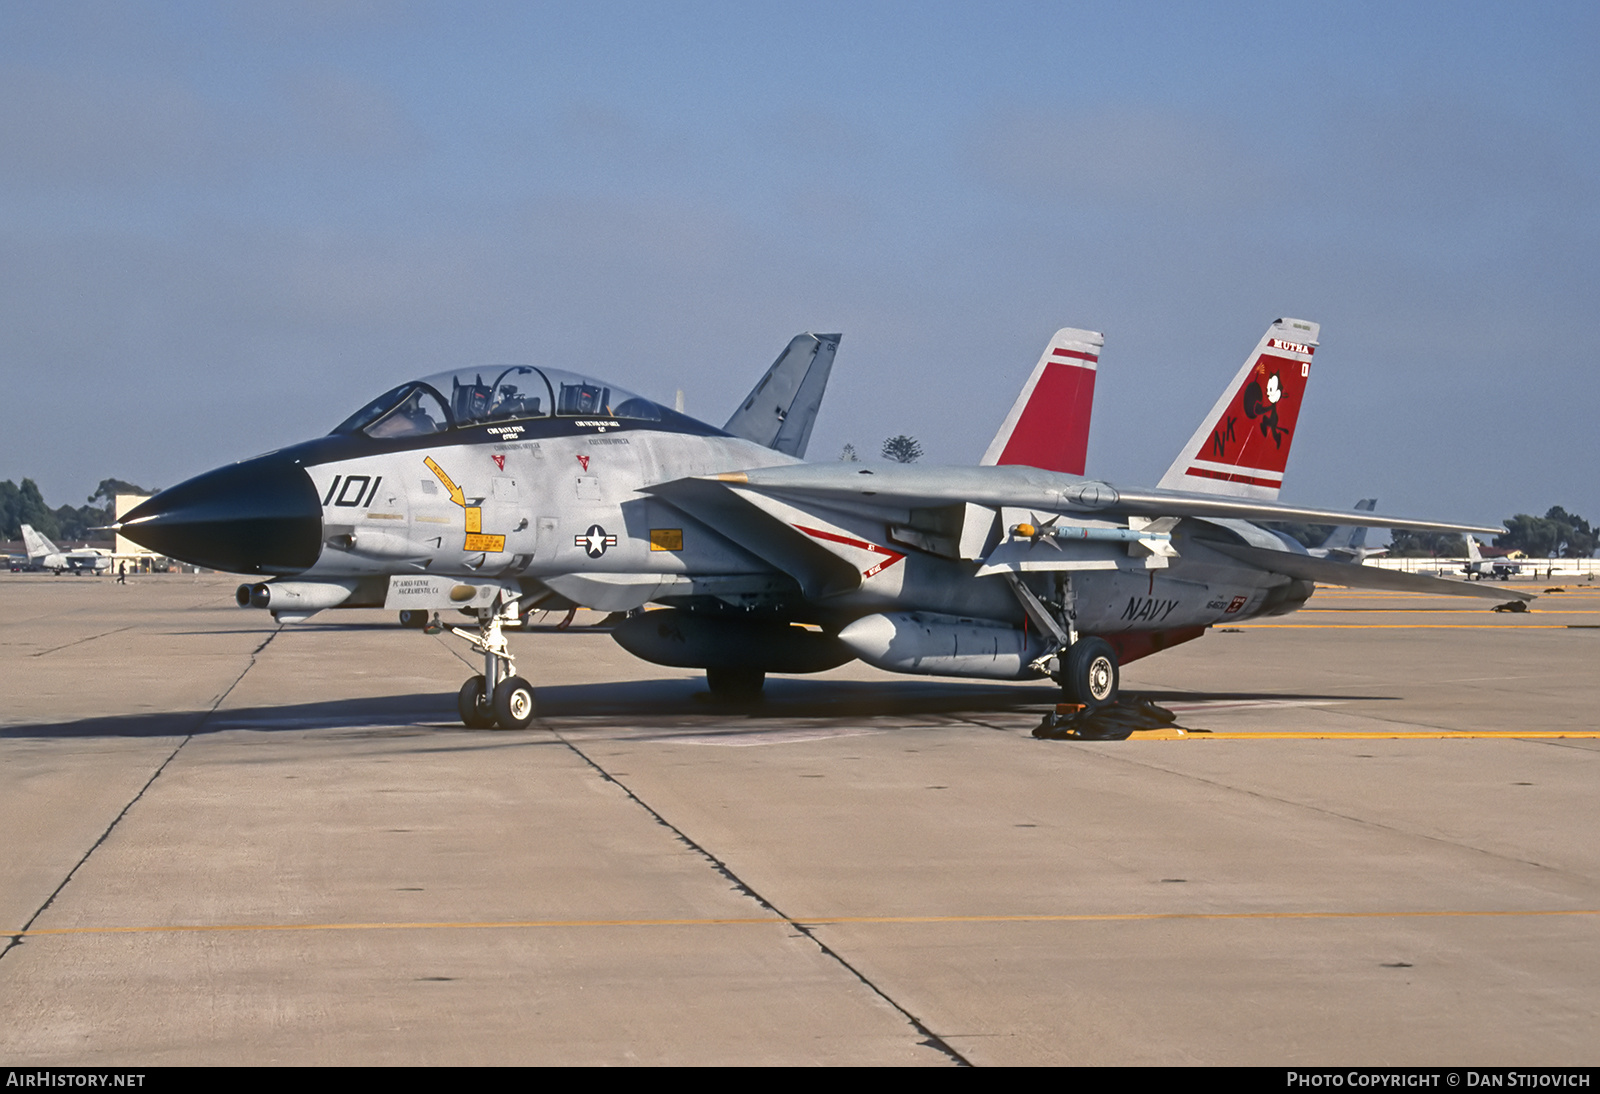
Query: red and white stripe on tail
1048	426
1243	445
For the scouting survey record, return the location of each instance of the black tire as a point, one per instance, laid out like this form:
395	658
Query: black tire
473	705
1092	676
743	685
413	618
514	704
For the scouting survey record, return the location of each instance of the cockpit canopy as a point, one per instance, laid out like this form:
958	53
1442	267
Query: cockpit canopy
501	393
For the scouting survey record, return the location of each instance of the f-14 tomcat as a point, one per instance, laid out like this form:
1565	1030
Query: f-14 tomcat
498	490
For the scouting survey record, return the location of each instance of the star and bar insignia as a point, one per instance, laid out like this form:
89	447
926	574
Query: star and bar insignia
594	541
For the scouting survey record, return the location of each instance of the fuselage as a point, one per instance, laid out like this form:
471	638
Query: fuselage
88	560
561	497
557	495
549	498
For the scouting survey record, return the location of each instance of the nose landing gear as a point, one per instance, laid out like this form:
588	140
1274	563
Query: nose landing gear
499	696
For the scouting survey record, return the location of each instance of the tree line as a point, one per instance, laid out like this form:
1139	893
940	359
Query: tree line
24	504
1557	534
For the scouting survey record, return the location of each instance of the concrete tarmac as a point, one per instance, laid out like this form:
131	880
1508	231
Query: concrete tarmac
227	842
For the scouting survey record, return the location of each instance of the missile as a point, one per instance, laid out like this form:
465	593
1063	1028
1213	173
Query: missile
1067	533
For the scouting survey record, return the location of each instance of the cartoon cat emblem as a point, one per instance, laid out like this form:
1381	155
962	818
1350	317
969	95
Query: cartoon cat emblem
1263	404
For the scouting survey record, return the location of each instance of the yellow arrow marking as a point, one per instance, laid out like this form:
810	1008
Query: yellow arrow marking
473	515
455	491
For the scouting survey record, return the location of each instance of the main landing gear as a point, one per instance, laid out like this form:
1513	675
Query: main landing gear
1089	673
1084	666
499	697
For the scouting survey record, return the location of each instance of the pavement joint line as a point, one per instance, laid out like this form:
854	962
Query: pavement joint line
930	1038
15	939
81	641
778	919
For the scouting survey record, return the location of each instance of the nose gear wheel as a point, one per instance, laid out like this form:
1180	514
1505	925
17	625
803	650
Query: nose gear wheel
499	696
514	705
473	705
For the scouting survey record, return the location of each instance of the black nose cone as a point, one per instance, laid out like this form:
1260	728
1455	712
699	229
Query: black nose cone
261	516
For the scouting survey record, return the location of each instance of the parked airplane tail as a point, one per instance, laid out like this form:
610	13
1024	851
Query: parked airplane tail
37	543
1473	554
1243	445
781	409
1350	538
1048	425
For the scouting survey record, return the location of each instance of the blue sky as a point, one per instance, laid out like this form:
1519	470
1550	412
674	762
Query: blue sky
223	227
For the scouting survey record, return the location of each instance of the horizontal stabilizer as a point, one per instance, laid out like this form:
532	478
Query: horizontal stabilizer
1355	576
781	409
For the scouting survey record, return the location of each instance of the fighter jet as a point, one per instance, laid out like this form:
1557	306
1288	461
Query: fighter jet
44	555
1348	542
499	490
1477	567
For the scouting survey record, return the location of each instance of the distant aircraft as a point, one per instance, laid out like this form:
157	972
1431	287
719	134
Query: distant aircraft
1477	567
1347	543
44	555
505	489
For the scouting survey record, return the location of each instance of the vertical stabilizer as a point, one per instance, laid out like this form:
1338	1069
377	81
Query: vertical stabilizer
1048	425
1350	538
781	409
36	544
1243	445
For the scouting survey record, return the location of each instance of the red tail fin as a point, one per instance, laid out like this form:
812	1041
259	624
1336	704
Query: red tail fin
1048	426
1242	447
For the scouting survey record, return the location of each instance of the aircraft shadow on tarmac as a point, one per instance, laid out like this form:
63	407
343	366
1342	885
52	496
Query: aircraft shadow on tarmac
655	703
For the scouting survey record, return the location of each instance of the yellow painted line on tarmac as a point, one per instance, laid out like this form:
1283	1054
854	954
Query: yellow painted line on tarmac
1453	611
1114	917
1337	592
1401	626
1367	735
1068	917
